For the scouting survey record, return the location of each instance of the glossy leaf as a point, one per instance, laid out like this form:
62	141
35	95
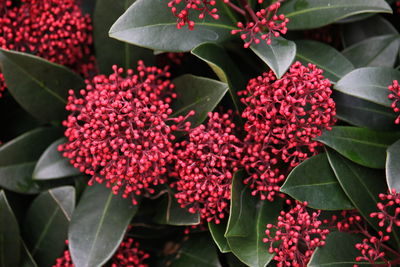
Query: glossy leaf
362	186
98	225
199	94
374	52
217	232
46	224
197	251
359	112
110	51
52	165
9	233
370	83
279	55
151	24
247	223
39	86
171	213
339	251
26	258
363	146
221	63
315	182
308	14
18	158
393	166
325	57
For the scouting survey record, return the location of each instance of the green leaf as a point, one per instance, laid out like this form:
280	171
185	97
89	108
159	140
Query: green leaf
39	86
363	146
9	233
363	113
110	51
393	166
339	251
171	213
46	224
279	55
199	94
197	251
315	182
362	186
151	24
53	165
221	63
18	158
26	258
309	14
374	52
353	33
325	57
370	83
98	225
247	223
217	232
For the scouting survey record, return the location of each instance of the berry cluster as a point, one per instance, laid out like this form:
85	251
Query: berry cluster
297	234
56	30
205	167
283	117
118	132
395	97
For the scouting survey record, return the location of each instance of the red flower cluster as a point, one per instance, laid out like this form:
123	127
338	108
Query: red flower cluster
205	166
128	255
371	249
297	235
118	133
389	212
266	24
56	30
283	116
205	7
395	96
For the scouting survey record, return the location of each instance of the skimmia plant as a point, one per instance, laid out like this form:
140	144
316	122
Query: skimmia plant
199	133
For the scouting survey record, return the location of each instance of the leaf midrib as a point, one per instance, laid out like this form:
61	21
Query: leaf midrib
45	230
319	65
351	141
314	9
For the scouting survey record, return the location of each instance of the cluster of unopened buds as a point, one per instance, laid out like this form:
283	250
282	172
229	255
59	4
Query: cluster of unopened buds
128	254
297	234
395	97
118	131
283	116
205	167
261	25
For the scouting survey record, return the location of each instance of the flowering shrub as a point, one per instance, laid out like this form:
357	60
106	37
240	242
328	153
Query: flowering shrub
211	132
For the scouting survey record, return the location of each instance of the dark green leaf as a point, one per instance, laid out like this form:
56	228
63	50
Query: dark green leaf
339	251
363	146
108	50
197	251
53	165
370	83
308	14
315	182
18	158
151	24
362	186
393	166
217	232
26	258
46	224
325	57
375	26
363	113
247	223
376	51
199	94
279	55
170	212
9	235
98	225
221	63
39	86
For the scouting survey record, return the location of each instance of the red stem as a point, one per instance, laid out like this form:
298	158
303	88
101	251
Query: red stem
236	8
249	10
